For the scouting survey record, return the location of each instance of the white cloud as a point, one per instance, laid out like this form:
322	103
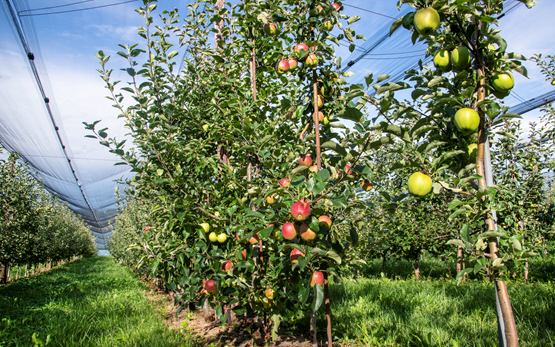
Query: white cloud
125	33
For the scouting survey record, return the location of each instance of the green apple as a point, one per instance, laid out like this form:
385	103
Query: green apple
222	238
328	25
460	57
426	20
441	60
270	29
213	237
205	127
419	184
205	227
503	82
467	120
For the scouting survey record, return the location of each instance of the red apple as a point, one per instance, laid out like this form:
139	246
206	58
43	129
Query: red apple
305	160
227	265
282	66
366	185
284	182
295	255
254	239
289	231
241	255
301	49
293	64
317	277
348	169
313	168
307	234
325	220
270	29
337	7
210	287
300	210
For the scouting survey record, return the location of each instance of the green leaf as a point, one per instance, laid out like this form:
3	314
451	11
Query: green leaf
334	147
354	237
323	174
318	297
303	294
455	242
396	25
489	234
353	19
298	169
351	113
382	78
460	275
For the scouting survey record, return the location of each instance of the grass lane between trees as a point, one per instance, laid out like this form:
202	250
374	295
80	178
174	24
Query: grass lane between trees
95	302
89	302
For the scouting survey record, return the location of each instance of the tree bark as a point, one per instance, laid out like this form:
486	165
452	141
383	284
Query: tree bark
459	259
416	267
4	274
328	308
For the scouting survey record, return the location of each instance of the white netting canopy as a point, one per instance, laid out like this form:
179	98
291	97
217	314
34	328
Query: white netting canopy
49	84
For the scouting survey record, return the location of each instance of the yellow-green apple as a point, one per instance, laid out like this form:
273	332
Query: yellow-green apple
317	277
205	127
366	185
328	25
467	120
300	210
441	59
270	199
213	237
320	101
320	117
472	151
326	121
503	82
306	233
426	20
270	29
289	231
269	292
313	168
420	184
222	238
460	57
324	221
254	239
311	60
205	227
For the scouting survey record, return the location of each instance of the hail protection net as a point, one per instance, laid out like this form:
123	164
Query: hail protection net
49	86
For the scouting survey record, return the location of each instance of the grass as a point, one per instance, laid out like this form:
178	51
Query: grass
383	312
89	302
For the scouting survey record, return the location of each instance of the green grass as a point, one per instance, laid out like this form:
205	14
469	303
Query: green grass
384	312
89	302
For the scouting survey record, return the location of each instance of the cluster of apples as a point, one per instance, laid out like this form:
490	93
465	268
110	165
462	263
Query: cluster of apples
213	237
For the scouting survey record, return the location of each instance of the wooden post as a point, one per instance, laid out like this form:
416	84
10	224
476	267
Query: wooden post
459	259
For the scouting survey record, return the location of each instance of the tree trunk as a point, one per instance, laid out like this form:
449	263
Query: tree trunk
328	308
384	263
416	267
313	328
459	259
4	274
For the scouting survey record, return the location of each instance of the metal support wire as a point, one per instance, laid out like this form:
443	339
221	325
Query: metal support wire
47	104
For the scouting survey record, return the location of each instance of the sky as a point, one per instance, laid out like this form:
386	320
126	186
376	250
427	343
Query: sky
64	40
